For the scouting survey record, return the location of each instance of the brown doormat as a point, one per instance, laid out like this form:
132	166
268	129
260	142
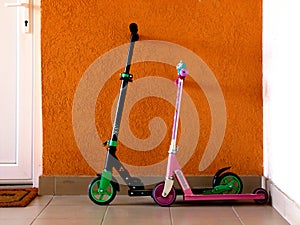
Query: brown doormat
17	197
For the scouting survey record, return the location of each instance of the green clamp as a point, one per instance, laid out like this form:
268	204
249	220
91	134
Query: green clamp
112	143
126	76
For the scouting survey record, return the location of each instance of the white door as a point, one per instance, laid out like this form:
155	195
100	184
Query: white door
16	98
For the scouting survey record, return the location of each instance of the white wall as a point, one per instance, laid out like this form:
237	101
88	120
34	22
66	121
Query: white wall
281	72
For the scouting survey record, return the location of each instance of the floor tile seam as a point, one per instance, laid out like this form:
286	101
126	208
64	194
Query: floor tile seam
104	215
43	209
171	217
237	215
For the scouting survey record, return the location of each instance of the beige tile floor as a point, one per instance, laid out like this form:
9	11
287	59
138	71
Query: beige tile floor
79	210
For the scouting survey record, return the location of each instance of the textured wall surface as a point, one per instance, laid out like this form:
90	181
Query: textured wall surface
225	34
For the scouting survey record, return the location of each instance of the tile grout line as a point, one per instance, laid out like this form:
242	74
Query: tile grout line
237	215
171	218
102	221
42	210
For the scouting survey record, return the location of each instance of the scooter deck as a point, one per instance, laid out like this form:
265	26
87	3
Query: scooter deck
221	197
148	192
133	193
194	190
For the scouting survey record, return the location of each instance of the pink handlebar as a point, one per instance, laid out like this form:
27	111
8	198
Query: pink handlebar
182	74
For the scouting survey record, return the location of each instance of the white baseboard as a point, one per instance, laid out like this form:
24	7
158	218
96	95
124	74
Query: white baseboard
285	206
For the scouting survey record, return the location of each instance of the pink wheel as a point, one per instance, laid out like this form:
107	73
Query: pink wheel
159	199
265	193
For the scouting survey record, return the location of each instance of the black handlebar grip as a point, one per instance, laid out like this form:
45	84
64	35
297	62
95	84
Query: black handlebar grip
133	28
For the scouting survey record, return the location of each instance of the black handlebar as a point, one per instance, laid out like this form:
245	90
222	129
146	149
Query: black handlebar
133	38
134	29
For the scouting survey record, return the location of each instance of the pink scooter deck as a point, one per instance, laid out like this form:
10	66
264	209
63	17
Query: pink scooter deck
221	197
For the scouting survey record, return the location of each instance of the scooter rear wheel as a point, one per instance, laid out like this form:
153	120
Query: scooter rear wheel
266	196
101	197
228	177
159	199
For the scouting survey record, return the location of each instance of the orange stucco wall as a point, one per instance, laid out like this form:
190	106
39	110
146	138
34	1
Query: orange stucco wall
225	34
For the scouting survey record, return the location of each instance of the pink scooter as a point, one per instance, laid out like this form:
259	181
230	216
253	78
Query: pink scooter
164	193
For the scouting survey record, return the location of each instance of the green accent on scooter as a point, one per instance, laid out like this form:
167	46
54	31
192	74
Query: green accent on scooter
112	143
105	180
125	75
99	195
233	182
219	189
229	184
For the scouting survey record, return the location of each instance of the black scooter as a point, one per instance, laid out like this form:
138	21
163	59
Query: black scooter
102	190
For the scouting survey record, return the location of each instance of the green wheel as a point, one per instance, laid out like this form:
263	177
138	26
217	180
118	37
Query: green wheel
101	197
236	185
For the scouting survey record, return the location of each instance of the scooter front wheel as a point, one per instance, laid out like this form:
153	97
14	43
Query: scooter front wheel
159	199
98	196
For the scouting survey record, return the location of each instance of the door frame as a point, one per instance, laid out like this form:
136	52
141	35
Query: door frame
36	103
37	141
